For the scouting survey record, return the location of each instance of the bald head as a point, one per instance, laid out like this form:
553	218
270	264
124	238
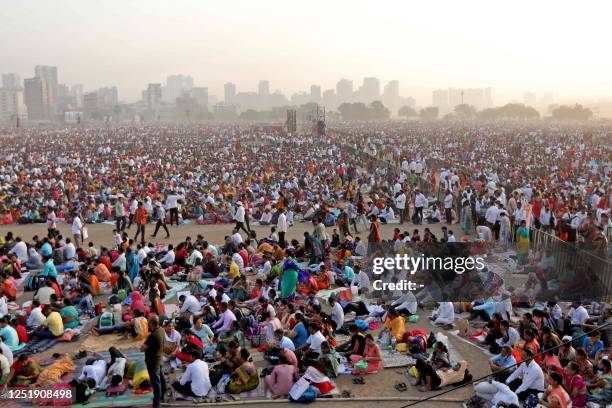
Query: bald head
153	322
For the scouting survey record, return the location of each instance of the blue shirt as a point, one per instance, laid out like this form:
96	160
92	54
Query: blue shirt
488	306
49	269
504	362
301	334
592	349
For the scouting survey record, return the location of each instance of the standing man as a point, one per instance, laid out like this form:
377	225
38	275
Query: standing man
140	218
420	201
448	206
160	217
51	223
400	204
281	227
120	214
133	208
172	206
153	348
77	229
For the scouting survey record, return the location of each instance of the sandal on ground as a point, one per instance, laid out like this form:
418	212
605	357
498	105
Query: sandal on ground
401	387
358	380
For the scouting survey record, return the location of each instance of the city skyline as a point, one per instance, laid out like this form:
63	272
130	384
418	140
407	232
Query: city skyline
423	46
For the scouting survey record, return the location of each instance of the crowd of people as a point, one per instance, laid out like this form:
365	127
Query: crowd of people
497	182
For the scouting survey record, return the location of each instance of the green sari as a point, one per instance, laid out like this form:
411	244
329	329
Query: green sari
289	283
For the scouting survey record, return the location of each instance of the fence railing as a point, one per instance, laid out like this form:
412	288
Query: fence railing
586	263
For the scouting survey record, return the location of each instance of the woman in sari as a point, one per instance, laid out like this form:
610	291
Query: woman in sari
132	264
245	377
289	278
522	234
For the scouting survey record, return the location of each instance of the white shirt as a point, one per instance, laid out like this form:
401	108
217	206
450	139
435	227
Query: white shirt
504	394
197	373
97	371
315	340
239	215
36	318
337	315
578	316
420	200
492	214
281	224
400	201
77	226
168	258
21	251
451	238
237	238
171	201
445	314
531	374
448	201
69	251
191	305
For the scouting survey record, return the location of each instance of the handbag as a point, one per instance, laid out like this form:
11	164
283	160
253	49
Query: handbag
85	233
361	365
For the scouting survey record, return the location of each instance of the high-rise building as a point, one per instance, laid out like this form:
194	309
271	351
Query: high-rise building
263	88
440	100
530	99
11	81
176	85
108	96
200	94
12	106
91	104
37	98
77	93
230	93
391	97
329	98
455	97
49	74
315	93
154	96
370	89
344	90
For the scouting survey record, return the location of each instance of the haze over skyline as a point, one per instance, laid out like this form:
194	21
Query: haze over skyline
543	46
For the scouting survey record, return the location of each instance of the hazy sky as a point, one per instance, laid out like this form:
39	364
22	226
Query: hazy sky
559	46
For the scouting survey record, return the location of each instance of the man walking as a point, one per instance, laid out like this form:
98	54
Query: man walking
160	217
140	218
153	348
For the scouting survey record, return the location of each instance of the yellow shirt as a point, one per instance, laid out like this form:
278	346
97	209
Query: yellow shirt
54	323
234	271
397	327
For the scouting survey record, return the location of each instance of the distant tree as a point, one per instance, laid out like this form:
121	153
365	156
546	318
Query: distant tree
378	111
354	111
510	111
407	111
251	115
465	111
576	112
429	113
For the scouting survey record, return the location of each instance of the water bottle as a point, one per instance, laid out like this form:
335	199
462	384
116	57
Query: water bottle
393	344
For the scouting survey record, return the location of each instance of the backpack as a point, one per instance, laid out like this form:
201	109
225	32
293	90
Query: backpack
310	395
107	319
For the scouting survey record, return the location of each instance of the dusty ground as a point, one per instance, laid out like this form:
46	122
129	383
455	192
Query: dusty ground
102	234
